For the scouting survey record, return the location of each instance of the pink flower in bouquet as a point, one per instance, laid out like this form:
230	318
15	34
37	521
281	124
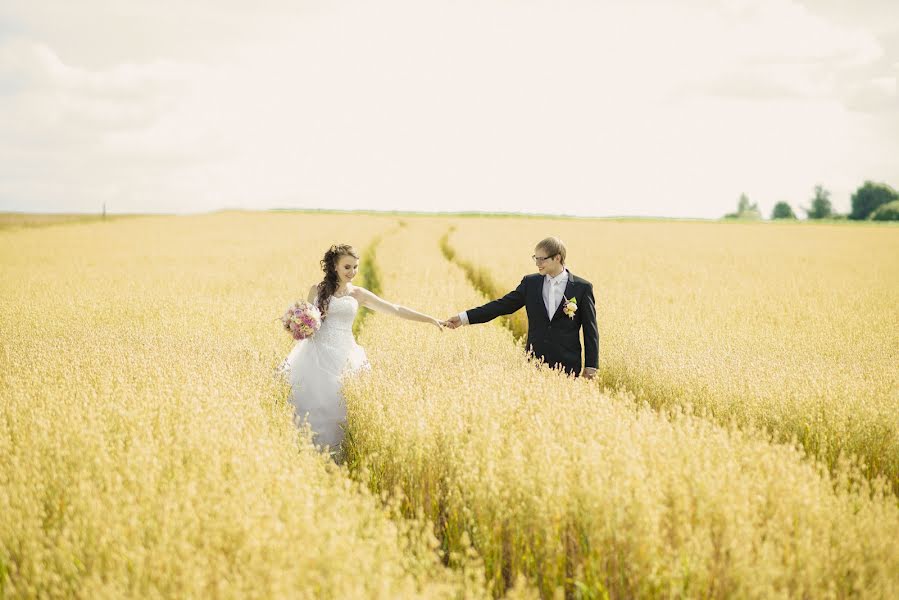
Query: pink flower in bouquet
302	320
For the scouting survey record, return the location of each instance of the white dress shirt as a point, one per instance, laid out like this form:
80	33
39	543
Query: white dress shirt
558	282
554	291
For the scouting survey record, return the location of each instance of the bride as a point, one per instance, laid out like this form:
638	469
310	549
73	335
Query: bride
315	365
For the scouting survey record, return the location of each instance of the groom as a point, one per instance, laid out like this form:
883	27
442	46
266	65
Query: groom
558	303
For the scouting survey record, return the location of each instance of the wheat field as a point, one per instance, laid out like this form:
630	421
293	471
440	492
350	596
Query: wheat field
148	449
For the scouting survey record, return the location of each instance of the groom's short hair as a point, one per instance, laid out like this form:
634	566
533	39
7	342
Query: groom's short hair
553	246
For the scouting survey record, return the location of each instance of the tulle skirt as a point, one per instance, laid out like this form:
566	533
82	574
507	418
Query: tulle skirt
315	368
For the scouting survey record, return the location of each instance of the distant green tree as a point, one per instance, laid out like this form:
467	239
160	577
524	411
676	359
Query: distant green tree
745	209
869	197
782	210
821	207
887	212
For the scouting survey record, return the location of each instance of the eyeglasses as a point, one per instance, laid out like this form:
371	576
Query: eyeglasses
539	259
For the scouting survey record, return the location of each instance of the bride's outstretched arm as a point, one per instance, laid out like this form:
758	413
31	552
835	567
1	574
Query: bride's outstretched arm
372	301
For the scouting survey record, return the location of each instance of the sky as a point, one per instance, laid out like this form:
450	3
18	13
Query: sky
594	108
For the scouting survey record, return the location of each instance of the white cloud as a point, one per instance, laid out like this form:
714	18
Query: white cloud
874	95
644	108
783	31
64	129
51	100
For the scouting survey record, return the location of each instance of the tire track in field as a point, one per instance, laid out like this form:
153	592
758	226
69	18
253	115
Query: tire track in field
370	275
482	280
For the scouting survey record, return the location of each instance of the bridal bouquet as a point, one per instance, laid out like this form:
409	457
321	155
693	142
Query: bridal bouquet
302	320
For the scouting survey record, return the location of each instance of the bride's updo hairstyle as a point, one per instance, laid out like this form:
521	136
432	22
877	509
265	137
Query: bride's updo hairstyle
329	284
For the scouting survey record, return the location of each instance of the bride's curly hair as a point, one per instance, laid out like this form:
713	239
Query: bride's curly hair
329	284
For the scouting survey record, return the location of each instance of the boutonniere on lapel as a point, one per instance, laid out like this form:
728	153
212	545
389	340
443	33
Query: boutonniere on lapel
570	307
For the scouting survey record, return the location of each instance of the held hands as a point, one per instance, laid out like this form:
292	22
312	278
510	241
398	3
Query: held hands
453	322
589	373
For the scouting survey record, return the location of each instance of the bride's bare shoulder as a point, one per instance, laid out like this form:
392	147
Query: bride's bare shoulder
313	292
358	292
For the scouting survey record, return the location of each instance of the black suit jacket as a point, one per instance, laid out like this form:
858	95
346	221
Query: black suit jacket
556	341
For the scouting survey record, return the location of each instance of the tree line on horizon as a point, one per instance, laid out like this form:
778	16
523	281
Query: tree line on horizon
872	201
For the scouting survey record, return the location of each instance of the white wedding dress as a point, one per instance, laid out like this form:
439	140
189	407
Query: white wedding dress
315	366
